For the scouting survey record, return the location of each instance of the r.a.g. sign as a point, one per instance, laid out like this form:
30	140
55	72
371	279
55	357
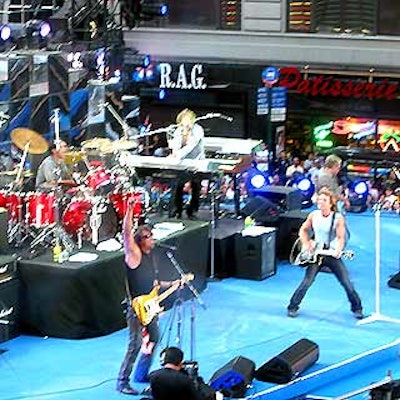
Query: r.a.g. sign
181	76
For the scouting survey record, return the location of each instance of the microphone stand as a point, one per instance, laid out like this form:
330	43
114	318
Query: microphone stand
179	302
377	316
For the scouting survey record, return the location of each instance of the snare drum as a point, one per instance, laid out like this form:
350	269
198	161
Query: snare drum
40	209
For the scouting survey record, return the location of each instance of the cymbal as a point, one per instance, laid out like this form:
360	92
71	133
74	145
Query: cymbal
14	172
96	144
73	157
124	144
22	136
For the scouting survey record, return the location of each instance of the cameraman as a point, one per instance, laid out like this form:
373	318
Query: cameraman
171	381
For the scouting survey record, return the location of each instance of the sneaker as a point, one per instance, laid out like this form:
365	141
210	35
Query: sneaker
292	313
358	314
127	389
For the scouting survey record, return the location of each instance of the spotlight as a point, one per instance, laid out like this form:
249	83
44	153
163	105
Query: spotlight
154	9
306	188
37	33
136	59
155	93
256	180
358	195
5	32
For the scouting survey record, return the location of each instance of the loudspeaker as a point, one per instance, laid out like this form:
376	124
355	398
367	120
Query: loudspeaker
232	379
387	391
394	281
3	228
290	363
9	309
284	197
261	210
255	255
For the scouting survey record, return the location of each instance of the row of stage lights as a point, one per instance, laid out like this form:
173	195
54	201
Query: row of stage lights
34	32
358	191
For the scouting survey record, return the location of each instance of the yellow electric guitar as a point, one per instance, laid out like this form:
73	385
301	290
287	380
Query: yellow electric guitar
147	306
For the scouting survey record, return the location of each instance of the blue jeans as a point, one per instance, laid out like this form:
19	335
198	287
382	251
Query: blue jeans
134	344
339	270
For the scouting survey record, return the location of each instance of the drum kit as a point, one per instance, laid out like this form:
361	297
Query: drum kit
91	208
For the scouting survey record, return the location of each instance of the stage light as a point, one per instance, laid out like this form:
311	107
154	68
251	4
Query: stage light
256	180
155	93
154	9
358	192
135	59
5	32
307	189
44	30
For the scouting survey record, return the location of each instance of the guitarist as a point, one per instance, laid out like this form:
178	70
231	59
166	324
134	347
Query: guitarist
329	231
141	277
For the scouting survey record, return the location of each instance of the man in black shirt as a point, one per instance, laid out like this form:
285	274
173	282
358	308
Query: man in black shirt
170	382
141	278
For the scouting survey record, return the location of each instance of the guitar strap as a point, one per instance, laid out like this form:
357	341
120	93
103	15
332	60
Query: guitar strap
331	231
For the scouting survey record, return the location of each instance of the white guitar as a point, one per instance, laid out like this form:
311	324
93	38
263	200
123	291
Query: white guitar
300	256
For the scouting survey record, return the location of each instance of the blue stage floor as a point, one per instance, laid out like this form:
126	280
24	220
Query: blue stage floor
243	318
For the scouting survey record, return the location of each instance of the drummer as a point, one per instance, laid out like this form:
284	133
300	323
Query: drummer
53	170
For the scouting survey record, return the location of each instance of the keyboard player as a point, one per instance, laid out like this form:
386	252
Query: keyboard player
187	142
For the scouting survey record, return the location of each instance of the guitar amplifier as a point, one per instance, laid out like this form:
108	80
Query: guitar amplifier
9	309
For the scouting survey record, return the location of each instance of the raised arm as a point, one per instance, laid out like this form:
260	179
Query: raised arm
133	254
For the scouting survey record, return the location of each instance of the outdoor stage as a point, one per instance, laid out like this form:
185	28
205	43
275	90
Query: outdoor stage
243	318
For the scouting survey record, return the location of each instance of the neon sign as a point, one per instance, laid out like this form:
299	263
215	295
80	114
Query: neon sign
327	85
390	138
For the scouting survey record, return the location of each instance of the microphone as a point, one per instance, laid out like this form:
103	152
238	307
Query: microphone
166	246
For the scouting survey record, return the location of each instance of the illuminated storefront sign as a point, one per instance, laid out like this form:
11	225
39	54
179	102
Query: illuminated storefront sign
328	85
182	76
389	135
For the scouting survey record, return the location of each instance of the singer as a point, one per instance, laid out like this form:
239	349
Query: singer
187	143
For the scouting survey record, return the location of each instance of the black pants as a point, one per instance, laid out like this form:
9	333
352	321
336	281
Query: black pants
194	203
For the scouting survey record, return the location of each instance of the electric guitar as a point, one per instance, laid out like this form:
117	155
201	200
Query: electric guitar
147	306
300	256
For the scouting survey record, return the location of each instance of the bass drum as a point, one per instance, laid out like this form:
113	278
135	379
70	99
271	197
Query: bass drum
76	218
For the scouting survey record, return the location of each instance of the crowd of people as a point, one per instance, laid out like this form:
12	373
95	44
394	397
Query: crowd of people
384	189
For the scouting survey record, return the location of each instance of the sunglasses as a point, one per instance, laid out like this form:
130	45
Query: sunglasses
147	236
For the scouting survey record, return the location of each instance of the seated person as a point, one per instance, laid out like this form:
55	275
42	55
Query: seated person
53	170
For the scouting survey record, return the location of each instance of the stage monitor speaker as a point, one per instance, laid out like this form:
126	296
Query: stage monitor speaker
255	255
261	210
387	391
234	377
9	309
290	363
394	281
284	197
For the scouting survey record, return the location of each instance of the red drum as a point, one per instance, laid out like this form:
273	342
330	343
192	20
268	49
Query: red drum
76	217
97	178
3	198
120	199
14	203
40	209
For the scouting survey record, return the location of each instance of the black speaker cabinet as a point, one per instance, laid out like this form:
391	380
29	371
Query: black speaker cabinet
3	227
290	363
234	377
285	198
261	210
387	391
255	255
394	281
9	309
